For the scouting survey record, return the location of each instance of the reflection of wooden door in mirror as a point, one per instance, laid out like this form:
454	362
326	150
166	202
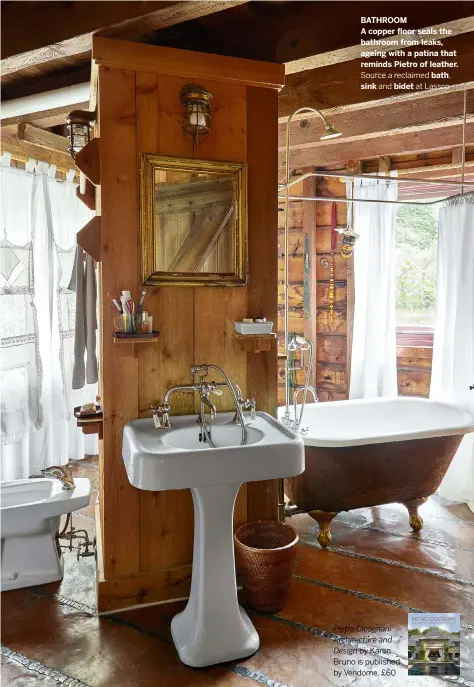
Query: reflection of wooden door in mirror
197	230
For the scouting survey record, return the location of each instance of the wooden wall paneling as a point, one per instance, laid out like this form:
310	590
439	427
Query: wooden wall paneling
262	123
323	214
295	215
295	293
340	266
331	349
295	268
414	382
322	322
295	240
213	326
228	137
340	295
414	370
120	270
331	377
166	518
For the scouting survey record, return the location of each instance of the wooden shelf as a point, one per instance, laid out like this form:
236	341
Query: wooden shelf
91	424
131	341
135	339
88	198
89	238
88	161
255	343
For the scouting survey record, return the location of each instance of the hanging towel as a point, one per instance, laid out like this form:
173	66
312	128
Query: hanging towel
83	282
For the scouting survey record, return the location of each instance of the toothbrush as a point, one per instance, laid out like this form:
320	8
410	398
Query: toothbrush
140	305
116	303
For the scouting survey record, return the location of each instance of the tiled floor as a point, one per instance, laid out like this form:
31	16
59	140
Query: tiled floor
375	572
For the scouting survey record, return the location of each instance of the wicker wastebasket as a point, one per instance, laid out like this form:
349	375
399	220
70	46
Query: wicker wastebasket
265	552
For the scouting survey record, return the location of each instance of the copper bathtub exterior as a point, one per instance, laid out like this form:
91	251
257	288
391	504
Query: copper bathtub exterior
342	478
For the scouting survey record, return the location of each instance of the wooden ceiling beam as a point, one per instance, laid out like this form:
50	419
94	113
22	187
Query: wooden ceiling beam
42	138
353	52
24	150
288	31
38	32
340	84
381	118
439	136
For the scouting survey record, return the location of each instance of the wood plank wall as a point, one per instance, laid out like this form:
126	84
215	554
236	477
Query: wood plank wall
332	372
309	243
148	536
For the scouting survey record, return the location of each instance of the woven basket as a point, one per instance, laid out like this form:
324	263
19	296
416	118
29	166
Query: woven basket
266	553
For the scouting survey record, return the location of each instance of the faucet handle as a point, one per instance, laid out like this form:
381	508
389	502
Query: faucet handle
250	404
161	418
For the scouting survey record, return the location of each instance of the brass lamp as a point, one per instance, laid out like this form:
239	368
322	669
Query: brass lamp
79	125
196	102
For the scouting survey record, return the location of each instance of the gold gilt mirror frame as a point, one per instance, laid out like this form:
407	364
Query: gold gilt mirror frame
193	221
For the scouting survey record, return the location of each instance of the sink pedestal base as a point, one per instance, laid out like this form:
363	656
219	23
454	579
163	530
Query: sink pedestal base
213	628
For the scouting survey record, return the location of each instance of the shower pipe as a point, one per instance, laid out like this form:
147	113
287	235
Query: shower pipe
287	197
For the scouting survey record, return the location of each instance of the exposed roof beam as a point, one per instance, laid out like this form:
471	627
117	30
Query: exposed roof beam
33	33
440	135
353	52
288	31
339	84
23	150
42	138
44	104
382	119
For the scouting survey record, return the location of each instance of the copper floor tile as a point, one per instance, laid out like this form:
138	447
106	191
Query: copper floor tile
330	610
446	532
410	588
298	659
454	563
98	652
440	527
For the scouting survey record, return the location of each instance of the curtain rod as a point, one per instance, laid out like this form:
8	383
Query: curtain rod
368	200
437	182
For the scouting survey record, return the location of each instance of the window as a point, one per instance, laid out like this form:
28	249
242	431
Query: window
416	243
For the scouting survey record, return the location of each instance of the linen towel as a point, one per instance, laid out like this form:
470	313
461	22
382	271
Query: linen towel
83	282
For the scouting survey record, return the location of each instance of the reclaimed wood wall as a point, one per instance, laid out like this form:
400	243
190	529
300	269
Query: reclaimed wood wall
147	537
309	243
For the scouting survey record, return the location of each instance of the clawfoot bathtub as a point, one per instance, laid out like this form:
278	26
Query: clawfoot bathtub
368	452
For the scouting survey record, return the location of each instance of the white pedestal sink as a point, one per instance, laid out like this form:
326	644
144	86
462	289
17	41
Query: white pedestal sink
213	628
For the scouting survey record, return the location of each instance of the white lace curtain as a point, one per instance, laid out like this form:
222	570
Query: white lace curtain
453	348
374	357
40	218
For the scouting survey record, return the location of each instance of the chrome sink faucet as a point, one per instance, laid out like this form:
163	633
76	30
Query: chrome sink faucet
161	413
64	475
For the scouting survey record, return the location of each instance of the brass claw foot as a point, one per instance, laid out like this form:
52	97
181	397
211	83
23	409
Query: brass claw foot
415	520
323	518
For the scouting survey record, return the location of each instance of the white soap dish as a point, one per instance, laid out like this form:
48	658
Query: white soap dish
253	327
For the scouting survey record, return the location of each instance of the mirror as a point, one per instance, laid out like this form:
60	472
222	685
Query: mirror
193	221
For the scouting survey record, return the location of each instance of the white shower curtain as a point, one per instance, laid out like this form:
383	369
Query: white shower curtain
40	219
453	347
374	357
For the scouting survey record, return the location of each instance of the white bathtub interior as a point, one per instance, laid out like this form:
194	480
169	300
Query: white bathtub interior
380	420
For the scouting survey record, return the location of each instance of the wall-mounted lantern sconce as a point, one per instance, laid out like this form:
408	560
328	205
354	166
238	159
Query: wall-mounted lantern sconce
196	102
79	126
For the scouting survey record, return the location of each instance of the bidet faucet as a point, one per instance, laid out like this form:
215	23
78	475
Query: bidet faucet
63	473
